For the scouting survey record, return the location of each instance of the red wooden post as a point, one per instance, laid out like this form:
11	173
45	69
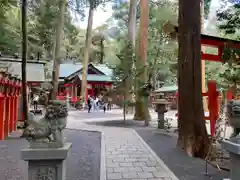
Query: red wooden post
11	86
212	105
1	116
15	103
2	109
229	94
7	108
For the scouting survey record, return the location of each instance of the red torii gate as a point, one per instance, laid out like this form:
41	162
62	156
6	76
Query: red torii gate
212	94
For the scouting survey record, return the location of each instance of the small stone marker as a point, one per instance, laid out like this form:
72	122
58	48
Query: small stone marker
47	152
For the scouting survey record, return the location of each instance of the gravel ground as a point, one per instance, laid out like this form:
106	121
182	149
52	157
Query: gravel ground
83	162
183	166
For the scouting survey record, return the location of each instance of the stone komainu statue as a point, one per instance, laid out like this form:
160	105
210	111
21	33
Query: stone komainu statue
47	132
233	114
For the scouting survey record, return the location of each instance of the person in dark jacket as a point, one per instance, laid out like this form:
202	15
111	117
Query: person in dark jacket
89	104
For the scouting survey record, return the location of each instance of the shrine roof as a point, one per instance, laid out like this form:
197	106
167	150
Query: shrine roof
170	88
97	78
67	69
35	71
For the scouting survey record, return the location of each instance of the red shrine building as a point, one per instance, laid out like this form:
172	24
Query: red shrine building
99	80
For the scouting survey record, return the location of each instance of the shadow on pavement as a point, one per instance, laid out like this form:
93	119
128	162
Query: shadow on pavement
117	123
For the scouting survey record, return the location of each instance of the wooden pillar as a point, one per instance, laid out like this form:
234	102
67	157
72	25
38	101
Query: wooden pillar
229	94
11	96
17	93
2	109
213	105
2	116
7	109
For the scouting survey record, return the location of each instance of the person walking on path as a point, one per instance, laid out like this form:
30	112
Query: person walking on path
95	104
104	106
89	104
35	101
109	105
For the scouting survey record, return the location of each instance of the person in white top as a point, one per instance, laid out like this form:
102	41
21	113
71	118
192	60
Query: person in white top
95	104
35	101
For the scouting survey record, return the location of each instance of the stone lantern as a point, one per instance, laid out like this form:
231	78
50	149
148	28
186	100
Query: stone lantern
233	144
161	108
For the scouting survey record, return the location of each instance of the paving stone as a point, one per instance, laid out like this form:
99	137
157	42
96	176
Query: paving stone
114	176
145	175
152	163
119	160
112	165
128	169
160	174
149	169
126	164
130	175
140	164
109	170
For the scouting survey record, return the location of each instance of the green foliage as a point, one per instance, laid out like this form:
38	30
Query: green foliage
229	24
162	52
41	30
229	19
207	4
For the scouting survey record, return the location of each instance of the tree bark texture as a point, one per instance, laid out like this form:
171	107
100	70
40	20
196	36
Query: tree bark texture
24	62
129	58
141	107
88	42
57	58
193	137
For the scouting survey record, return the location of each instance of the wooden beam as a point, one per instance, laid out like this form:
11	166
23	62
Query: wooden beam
211	57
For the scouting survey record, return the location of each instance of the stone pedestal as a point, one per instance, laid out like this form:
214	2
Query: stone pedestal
46	163
233	146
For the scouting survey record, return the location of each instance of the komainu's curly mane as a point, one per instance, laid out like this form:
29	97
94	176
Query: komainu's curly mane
56	109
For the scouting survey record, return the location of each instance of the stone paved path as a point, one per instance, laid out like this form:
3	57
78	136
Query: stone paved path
125	155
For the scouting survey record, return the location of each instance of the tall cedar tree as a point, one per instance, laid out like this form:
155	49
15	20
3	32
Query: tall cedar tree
193	137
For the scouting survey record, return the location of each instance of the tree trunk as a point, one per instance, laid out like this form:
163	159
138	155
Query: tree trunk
128	60
141	107
57	58
101	50
24	62
193	137
88	42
